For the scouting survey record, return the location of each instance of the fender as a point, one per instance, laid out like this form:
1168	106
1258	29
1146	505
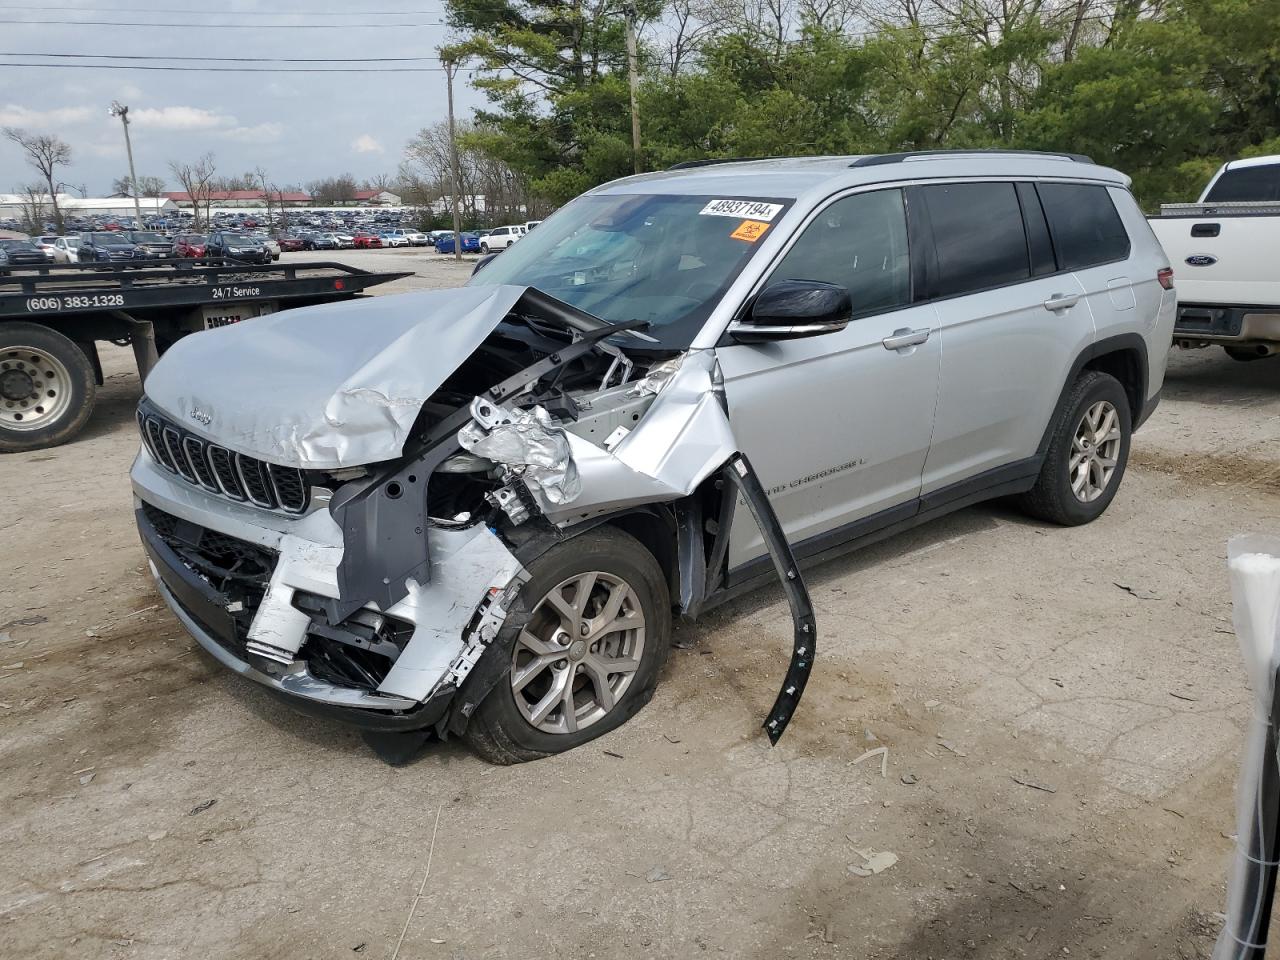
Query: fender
1123	341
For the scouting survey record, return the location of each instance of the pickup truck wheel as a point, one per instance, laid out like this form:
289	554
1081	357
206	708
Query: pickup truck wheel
584	643
47	388
1087	454
1246	354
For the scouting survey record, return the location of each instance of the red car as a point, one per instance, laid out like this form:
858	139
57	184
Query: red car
189	245
290	243
368	240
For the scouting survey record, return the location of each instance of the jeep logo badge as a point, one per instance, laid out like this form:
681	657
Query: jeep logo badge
201	417
1201	260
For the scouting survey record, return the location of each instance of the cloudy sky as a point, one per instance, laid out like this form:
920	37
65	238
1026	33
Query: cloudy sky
297	126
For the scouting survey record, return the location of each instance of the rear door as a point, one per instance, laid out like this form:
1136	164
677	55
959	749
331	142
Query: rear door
837	426
1011	322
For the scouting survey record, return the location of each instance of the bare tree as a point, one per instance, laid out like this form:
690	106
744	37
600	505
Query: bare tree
34	201
147	186
197	180
380	182
46	153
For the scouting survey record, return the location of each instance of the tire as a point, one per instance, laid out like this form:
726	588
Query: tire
484	248
503	730
1053	498
1244	354
38	410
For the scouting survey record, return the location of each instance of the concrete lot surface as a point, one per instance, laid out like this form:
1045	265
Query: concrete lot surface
1062	711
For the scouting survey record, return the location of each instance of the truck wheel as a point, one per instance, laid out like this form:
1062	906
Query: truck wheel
47	388
1246	354
584	643
1087	454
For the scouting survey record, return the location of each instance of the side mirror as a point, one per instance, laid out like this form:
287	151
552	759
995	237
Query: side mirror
483	262
789	309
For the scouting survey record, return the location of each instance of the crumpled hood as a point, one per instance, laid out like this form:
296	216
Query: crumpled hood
324	387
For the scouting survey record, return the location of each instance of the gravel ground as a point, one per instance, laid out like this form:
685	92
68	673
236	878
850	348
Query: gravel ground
1061	710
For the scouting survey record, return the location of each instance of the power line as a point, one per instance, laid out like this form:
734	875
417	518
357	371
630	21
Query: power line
230	26
126	56
132	66
234	13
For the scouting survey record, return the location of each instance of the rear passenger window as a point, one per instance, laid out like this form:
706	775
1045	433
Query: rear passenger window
1085	226
859	242
978	236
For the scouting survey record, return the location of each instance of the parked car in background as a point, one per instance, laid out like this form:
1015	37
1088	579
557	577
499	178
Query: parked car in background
290	243
155	246
49	244
272	245
321	241
470	243
500	238
530	224
367	241
417	238
190	246
346	241
394	238
70	246
237	246
108	246
1224	247
435	235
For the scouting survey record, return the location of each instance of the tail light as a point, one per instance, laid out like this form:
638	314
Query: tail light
1165	276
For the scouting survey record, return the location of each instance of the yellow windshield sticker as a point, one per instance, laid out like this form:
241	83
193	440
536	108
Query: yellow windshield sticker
750	231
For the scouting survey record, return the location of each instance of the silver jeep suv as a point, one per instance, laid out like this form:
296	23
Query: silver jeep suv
475	511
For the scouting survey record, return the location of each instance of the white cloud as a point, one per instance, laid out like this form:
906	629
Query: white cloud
260	133
179	118
107	149
129	92
12	115
366	144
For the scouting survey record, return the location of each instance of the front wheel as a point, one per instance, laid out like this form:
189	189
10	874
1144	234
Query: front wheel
484	248
584	643
1087	454
47	388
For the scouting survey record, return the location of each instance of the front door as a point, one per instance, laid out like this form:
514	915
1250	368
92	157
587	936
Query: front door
838	426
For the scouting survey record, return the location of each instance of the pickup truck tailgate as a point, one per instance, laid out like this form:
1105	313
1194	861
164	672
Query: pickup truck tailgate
1221	257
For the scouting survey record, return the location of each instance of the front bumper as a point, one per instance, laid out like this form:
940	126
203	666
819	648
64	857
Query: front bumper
416	689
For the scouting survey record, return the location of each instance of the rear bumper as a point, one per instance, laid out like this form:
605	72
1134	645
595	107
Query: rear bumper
1206	323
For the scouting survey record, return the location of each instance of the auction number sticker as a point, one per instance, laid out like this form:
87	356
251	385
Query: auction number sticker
750	231
37	304
738	209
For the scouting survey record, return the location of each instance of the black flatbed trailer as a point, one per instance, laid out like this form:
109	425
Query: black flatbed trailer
53	316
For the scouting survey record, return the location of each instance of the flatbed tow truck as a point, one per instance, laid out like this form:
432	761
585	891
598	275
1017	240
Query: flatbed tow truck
52	318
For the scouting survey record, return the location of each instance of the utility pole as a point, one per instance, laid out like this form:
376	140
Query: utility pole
634	71
120	110
449	67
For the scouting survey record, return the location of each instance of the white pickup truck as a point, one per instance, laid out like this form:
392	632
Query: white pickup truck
1225	249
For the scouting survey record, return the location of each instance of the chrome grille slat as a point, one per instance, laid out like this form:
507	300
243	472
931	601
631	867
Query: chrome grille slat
224	469
197	459
219	470
173	444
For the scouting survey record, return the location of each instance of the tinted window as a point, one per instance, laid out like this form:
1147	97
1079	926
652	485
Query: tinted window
1085	226
978	236
1038	243
859	242
1246	184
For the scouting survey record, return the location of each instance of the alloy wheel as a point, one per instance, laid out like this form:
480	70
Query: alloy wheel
1095	450
578	653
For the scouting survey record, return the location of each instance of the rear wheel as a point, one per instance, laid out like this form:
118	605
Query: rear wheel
47	388
484	248
584	643
1087	454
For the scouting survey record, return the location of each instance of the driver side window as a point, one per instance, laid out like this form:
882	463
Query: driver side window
860	243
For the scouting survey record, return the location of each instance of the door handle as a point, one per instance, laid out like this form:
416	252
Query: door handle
906	337
1062	301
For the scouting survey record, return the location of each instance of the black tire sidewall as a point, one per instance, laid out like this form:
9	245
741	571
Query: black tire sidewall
82	380
1098	386
612	551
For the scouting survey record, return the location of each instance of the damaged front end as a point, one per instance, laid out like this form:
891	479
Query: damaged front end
376	591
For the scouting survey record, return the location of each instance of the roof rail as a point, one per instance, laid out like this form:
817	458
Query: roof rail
878	159
690	164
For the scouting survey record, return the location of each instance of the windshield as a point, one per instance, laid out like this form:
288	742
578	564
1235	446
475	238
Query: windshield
17	244
665	259
148	238
108	238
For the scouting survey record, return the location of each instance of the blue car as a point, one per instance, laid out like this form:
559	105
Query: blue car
470	243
